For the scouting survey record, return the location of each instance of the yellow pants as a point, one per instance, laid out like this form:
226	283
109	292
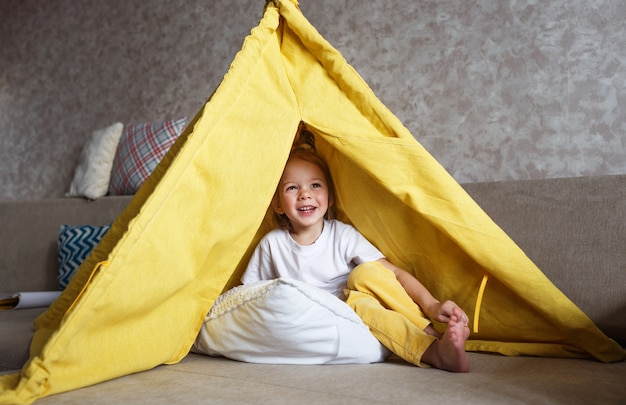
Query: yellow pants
379	299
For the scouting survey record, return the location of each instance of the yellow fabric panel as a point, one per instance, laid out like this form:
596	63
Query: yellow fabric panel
139	299
399	197
174	248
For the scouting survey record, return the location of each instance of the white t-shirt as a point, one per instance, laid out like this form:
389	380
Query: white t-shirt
325	264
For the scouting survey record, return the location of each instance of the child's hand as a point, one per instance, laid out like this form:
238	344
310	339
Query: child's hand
442	311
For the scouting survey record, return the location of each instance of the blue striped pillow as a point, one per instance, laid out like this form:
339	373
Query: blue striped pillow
75	244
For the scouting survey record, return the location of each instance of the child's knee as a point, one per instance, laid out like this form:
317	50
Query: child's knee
365	273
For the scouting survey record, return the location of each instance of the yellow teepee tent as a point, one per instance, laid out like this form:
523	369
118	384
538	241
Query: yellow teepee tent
140	298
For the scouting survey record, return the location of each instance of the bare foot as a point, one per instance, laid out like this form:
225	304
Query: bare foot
448	353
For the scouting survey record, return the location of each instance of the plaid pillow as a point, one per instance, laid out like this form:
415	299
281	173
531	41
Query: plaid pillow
75	244
141	148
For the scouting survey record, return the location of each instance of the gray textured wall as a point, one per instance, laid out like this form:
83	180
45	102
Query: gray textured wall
495	90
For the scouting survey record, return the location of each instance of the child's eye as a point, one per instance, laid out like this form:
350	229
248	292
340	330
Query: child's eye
316	185
291	188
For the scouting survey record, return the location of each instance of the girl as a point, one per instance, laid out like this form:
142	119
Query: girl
335	257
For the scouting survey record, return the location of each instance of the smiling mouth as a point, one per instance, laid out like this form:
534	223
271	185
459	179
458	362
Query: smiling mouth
307	209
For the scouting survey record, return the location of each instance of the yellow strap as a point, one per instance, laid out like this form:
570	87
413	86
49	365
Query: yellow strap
479	301
93	273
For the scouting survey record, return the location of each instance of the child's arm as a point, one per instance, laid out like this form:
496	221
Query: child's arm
435	310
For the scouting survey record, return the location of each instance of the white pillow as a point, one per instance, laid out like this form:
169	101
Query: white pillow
93	173
286	321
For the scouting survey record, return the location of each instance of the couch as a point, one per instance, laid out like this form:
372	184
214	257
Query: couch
574	229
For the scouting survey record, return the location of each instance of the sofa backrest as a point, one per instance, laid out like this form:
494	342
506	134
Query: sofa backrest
29	237
574	230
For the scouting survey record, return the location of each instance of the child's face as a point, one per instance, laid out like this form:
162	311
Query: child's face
302	195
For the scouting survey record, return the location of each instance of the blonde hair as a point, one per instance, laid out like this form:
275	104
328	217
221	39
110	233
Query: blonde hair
304	149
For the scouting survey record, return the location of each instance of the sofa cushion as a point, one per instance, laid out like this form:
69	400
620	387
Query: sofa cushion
286	322
16	332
